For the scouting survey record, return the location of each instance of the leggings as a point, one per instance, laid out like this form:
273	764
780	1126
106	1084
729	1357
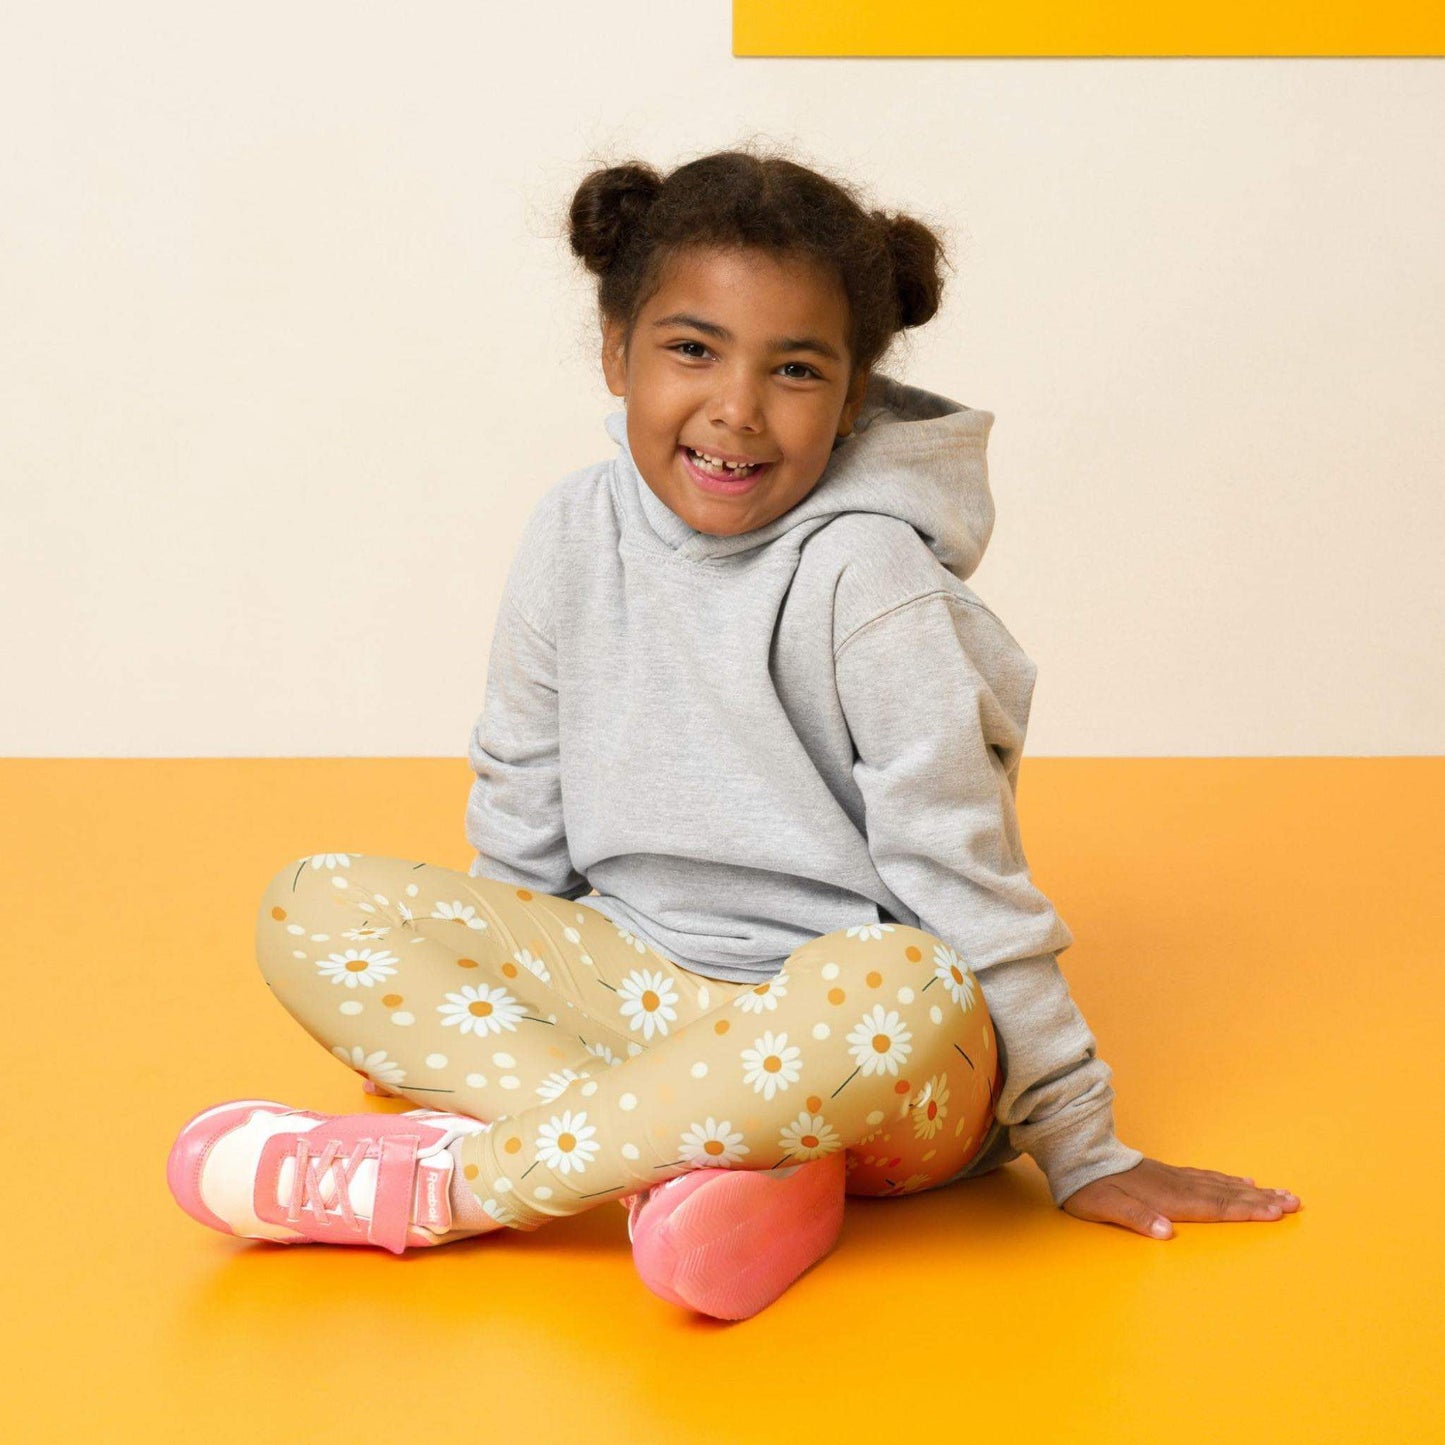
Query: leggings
604	1068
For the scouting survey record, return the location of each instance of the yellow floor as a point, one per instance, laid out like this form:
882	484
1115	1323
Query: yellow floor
1259	953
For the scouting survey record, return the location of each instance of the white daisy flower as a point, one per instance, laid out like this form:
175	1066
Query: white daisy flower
771	1064
602	1052
957	978
631	940
366	932
809	1136
764	996
556	1084
459	912
331	860
375	1066
567	1143
879	1042
533	964
481	1010
711	1144
647	1001
930	1108
358	967
869	930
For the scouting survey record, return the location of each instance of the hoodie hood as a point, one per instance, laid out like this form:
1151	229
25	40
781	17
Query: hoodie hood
912	454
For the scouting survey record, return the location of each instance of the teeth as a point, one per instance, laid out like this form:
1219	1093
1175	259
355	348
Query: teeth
718	461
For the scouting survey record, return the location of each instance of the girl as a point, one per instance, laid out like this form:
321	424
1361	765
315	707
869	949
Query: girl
750	924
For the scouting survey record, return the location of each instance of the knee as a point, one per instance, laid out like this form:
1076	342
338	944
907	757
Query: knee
286	914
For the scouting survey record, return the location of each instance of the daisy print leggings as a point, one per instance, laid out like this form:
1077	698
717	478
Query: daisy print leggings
603	1067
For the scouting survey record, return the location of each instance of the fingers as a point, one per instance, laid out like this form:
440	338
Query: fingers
1151	1200
1237	1185
1232	1201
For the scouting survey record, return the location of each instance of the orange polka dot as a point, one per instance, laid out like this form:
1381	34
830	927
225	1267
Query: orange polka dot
525	894
901	1087
836	995
471	1171
814	1103
721	1026
391	1000
912	954
466	963
874	979
278	914
512	1145
509	970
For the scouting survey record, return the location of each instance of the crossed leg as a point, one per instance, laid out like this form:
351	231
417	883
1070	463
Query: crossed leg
607	1068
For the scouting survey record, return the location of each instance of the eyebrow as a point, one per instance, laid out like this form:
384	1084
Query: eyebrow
778	343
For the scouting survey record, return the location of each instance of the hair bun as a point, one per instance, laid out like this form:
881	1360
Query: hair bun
915	253
609	207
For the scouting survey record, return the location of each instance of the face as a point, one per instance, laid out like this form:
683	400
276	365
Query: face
742	356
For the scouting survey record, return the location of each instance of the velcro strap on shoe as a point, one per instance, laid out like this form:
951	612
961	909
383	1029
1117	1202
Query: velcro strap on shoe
395	1186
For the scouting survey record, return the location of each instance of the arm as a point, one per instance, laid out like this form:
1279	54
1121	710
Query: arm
936	694
514	812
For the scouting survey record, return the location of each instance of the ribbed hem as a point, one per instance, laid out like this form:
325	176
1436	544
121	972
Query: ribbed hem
1080	1152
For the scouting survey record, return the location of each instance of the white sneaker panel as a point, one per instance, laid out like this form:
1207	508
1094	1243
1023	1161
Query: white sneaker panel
228	1177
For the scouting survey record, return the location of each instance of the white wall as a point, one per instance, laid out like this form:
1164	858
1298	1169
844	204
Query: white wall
291	342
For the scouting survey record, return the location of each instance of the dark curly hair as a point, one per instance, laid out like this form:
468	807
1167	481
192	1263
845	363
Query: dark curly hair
627	222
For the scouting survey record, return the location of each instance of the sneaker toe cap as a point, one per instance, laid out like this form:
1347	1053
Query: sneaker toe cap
187	1160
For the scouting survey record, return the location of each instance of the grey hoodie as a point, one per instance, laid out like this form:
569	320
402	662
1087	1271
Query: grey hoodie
744	742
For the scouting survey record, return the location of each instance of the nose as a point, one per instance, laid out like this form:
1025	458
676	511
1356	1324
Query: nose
737	404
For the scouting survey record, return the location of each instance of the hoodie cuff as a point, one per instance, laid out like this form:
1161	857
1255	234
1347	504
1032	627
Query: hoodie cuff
1083	1151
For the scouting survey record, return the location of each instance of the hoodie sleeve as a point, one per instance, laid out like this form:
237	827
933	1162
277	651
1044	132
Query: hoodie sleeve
514	812
936	694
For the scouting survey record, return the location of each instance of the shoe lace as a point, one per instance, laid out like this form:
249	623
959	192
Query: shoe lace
311	1169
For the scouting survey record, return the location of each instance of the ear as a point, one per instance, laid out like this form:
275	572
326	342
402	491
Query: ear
853	402
614	367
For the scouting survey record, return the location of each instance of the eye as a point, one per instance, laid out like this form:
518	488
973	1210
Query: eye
677	346
806	367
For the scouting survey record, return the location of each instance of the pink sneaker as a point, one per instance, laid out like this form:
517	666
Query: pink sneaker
265	1171
728	1242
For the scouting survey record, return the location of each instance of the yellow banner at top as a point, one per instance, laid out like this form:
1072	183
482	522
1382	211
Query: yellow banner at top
1179	28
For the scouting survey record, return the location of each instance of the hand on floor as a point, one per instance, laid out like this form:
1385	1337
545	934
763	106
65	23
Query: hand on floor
1152	1193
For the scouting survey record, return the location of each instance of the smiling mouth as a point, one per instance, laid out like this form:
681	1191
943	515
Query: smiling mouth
726	471
721	481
